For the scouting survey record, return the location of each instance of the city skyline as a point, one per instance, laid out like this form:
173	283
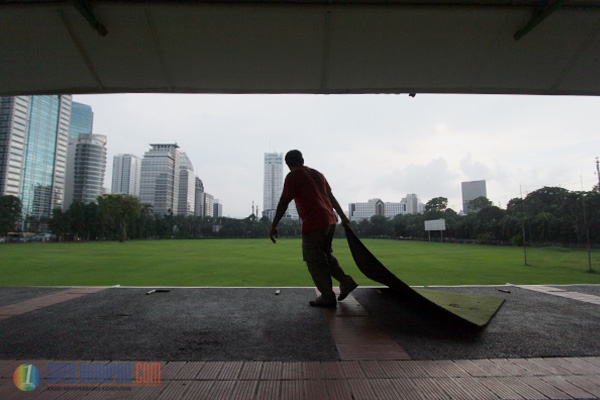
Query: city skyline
368	146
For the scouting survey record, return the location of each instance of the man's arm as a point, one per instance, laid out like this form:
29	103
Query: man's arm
337	208
281	208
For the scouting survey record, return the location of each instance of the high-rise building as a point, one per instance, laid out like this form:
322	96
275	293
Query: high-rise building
160	178
470	191
34	132
187	186
217	209
86	165
209	205
82	120
199	208
413	204
273	183
14	116
126	174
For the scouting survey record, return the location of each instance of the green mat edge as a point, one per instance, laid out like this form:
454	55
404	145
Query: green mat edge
477	309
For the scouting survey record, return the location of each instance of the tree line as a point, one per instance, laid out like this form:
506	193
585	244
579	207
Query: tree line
548	216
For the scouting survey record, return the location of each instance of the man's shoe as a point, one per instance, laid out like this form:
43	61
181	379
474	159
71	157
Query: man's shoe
346	288
319	302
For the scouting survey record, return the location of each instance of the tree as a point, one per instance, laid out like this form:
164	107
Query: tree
435	208
76	214
479	203
10	212
437	204
59	223
119	210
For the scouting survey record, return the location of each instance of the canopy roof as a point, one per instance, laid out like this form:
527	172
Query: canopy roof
308	46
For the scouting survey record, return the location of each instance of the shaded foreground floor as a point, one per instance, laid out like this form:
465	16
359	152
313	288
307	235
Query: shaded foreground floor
253	343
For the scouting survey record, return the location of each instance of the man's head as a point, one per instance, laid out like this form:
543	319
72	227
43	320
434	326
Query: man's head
294	159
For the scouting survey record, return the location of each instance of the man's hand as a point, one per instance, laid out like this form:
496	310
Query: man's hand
273	234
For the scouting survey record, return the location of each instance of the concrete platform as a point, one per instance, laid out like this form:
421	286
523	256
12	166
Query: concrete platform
253	343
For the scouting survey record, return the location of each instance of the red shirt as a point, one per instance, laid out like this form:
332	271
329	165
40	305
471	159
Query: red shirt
309	188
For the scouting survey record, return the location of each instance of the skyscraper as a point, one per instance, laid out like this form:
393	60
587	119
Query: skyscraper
413	204
14	116
160	178
273	183
471	191
126	175
34	132
199	207
86	166
187	186
82	119
209	204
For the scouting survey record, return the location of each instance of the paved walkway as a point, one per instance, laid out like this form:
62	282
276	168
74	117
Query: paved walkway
372	366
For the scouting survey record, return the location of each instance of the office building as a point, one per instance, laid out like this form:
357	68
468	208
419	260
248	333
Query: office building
217	209
272	183
86	165
209	204
160	178
413	204
470	191
187	186
199	208
34	133
361	211
14	123
126	175
82	119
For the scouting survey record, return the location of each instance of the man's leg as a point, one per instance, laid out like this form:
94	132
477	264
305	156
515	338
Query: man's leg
347	284
315	255
335	269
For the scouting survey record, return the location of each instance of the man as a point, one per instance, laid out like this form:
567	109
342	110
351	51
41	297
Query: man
315	204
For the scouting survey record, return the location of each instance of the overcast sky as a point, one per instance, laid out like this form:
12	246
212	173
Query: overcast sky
368	146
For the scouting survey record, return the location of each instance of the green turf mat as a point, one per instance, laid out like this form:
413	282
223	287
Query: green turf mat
472	309
476	309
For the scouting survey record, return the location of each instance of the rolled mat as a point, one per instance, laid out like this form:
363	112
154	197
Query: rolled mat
472	310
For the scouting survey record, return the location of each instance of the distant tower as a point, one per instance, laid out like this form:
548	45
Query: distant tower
86	164
471	191
82	120
199	200
273	183
126	174
160	178
187	186
34	135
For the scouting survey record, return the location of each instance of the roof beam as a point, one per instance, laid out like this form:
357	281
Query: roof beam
85	8
538	15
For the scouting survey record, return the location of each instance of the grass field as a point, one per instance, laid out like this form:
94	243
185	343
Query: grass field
257	262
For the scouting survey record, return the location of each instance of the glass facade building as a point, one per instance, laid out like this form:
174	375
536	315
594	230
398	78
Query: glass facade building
45	158
160	178
82	120
187	186
14	116
470	191
126	175
86	168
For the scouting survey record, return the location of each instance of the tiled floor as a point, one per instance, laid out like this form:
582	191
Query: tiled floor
12	310
372	366
552	378
587	298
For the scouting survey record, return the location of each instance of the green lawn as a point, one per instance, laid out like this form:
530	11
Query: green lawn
257	262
